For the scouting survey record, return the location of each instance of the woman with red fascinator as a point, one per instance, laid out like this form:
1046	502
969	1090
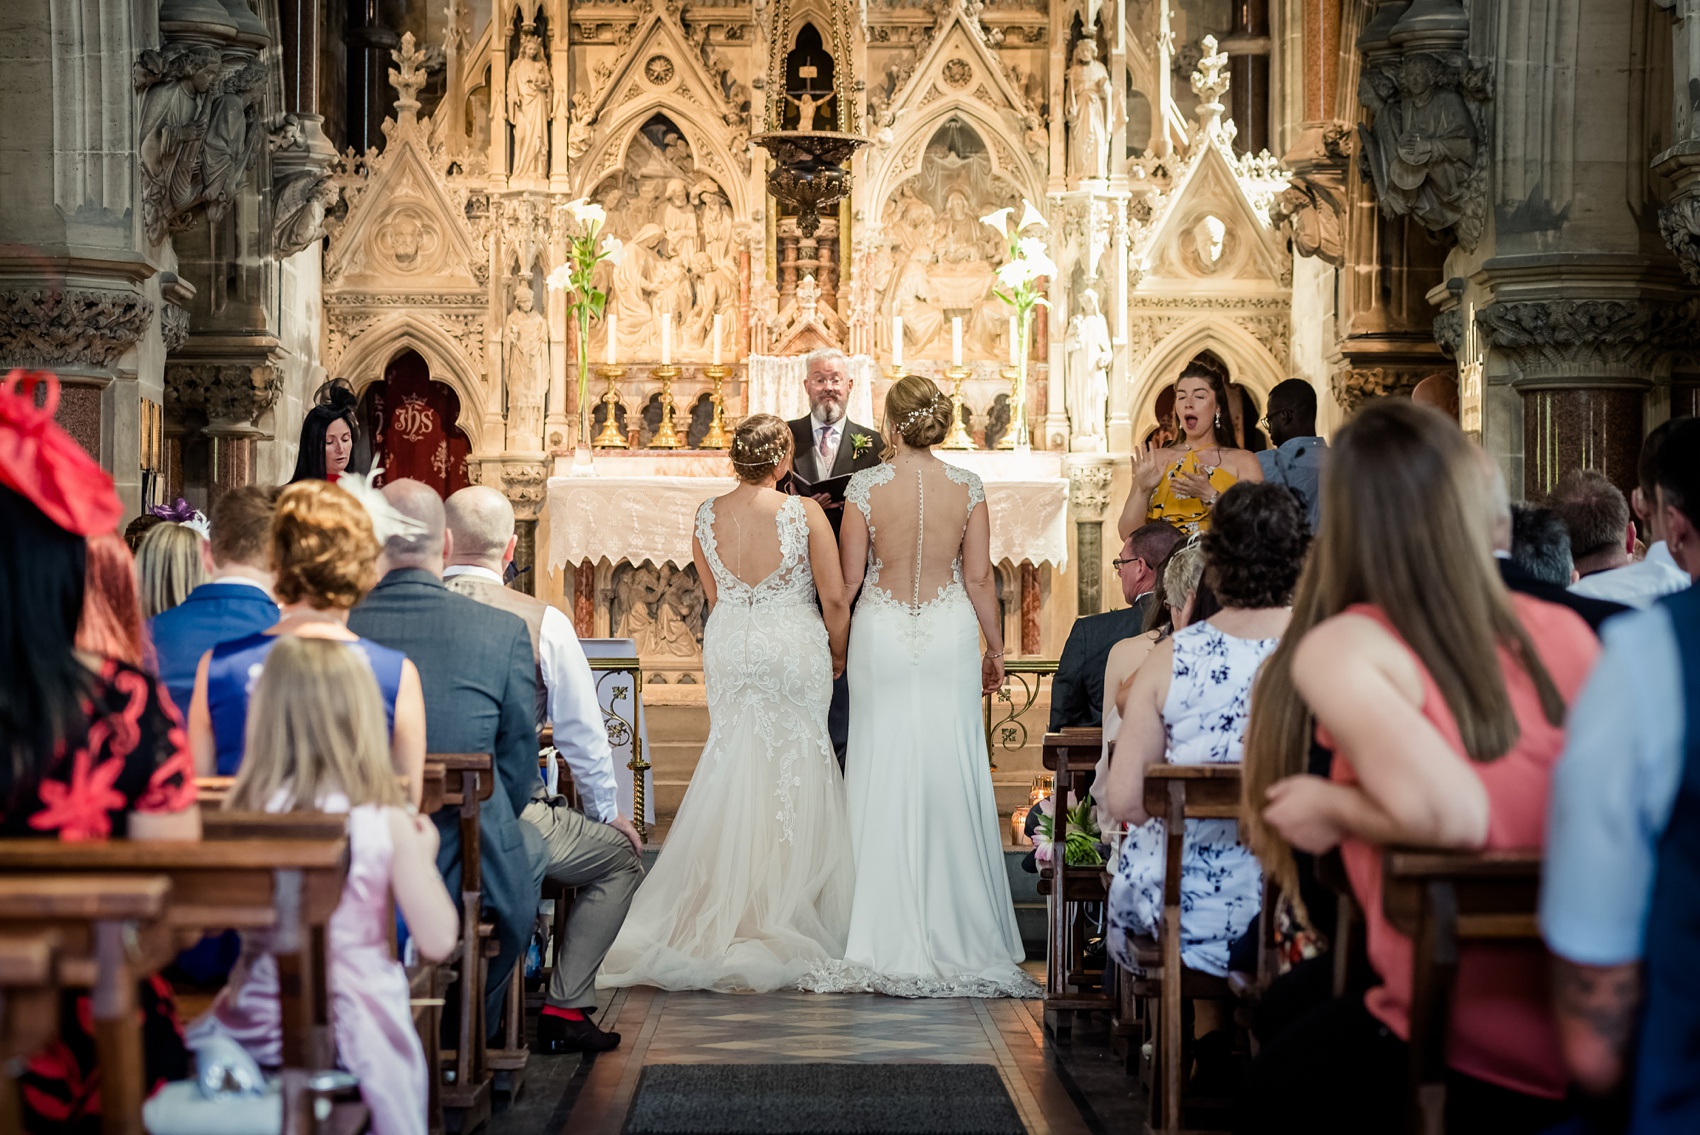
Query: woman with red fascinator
91	746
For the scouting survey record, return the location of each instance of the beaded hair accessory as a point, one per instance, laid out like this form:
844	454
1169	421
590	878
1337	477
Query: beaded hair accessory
909	420
762	456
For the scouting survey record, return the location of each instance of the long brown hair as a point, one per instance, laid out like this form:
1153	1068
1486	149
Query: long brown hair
111	623
1222	428
1407	517
315	726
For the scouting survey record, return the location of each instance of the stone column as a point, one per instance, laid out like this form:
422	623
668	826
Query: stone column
1088	500
228	397
523	484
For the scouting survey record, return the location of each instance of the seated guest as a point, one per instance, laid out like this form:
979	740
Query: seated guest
1657	574
317	742
324	555
170	563
1298	456
1536	561
481	685
1442	698
588	854
1077	691
1187	705
238	600
70	718
1619	894
1596	516
111	624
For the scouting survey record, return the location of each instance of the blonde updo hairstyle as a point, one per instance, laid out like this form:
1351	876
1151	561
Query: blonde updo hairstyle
759	444
916	411
324	552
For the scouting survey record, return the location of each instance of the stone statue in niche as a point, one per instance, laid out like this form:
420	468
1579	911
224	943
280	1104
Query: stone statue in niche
1421	150
1088	377
199	132
1310	215
580	126
679	223
715	220
530	92
298	210
526	366
1090	105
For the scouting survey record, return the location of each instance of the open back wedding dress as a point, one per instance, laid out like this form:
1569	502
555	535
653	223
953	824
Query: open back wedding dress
754	881
932	916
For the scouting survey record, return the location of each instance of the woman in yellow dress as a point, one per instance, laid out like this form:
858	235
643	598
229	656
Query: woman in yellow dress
1179	483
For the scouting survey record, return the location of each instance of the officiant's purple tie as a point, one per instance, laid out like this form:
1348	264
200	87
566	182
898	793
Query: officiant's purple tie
825	434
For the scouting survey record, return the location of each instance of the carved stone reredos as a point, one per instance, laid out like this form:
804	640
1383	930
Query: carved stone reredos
1212	223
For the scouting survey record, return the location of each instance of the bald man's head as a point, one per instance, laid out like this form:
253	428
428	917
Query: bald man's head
428	550
1441	392
481	524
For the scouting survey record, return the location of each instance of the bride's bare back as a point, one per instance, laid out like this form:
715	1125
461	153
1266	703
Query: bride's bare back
917	520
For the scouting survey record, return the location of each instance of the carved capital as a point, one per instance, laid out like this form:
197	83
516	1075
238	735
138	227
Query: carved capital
1354	385
1089	486
229	394
173	326
1561	339
1679	224
1449	331
70	327
524	484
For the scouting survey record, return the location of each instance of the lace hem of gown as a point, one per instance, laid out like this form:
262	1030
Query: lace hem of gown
847	977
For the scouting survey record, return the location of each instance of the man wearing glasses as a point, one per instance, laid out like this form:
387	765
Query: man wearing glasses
1298	456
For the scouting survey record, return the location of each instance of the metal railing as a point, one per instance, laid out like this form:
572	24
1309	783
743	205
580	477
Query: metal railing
623	730
1005	728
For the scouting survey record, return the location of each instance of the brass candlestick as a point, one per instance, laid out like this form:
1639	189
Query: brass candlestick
716	437
666	437
958	437
610	437
1016	424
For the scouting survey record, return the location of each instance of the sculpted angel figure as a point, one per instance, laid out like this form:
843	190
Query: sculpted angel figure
173	130
529	98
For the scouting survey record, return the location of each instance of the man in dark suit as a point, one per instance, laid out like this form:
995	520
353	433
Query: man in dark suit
480	685
1539	564
827	444
1077	691
238	600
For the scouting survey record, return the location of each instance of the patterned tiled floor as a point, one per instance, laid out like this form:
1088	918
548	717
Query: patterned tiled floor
700	1028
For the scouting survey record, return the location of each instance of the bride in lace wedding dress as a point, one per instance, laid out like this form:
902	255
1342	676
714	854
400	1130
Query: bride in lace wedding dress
754	882
932	915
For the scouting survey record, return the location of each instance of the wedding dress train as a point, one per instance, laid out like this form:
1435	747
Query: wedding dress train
754	881
932	915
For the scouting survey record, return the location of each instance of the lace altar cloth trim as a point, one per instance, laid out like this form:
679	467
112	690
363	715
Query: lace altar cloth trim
775	386
634	519
845	977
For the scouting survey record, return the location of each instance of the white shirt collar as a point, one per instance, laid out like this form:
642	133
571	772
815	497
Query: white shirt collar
255	584
816	423
473	570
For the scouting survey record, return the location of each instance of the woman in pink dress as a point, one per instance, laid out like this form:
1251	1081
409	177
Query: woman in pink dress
317	742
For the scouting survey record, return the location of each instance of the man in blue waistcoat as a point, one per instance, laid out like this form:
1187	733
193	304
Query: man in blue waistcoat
1620	898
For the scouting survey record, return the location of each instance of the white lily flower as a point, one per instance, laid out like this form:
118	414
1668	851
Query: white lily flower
1030	217
998	220
1015	273
584	214
1042	265
561	279
614	249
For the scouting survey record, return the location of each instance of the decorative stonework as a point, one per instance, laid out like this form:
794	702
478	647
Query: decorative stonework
1089	487
1352	386
524	486
173	326
71	327
1449	331
228	393
1586	339
1679	224
1311	210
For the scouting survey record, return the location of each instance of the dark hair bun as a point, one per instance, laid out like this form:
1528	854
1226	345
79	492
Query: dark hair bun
338	395
1256	545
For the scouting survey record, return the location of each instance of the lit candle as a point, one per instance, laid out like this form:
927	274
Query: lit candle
1014	342
897	342
716	338
612	350
956	340
666	338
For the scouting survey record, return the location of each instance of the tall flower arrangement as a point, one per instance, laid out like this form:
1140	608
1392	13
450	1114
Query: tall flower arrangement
585	301
1018	286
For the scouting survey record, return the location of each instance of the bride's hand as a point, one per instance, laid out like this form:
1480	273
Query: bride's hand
837	669
991	673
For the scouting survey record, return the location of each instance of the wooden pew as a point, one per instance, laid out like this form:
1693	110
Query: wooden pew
1069	985
29	1007
212	791
286	886
1177	793
469	779
1444	901
110	932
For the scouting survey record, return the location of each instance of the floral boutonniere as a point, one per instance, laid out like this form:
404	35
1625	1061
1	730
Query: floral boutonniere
860	444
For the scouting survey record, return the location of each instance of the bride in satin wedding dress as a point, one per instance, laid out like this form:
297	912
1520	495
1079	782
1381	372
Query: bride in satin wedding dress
932	914
754	882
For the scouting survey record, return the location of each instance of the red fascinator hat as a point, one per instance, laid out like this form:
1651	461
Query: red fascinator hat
45	465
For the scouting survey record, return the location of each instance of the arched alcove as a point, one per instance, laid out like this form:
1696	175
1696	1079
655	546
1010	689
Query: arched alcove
414	422
809	70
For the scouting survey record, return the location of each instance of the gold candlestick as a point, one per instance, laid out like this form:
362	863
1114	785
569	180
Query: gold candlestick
665	435
716	437
610	437
1007	441
958	437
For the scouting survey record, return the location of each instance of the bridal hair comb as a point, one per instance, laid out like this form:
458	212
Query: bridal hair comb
914	417
761	456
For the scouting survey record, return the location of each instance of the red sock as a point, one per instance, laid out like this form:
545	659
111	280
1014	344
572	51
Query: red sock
563	1012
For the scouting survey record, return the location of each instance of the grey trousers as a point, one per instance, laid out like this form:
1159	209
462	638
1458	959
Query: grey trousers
600	863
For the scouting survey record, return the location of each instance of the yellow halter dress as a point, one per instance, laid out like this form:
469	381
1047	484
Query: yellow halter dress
1190	514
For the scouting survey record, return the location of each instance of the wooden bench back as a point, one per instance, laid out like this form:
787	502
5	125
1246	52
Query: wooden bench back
1444	901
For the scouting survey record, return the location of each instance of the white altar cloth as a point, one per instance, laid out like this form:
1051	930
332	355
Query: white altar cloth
652	518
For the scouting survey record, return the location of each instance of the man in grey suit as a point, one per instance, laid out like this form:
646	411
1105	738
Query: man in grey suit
480	681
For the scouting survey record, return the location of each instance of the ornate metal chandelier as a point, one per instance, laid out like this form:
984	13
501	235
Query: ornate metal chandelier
809	173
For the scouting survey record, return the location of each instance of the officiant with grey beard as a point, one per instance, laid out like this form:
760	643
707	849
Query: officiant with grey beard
830	447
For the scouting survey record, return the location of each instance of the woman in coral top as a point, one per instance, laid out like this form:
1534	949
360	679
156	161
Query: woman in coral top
1443	698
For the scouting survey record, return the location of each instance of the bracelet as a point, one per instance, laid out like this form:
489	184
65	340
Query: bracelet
989	654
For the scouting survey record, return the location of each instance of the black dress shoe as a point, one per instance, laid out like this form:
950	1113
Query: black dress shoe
559	1035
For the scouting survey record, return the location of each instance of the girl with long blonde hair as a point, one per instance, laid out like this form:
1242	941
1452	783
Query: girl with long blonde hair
1442	697
317	742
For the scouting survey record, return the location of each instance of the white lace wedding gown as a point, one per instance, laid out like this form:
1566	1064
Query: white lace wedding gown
933	915
754	881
